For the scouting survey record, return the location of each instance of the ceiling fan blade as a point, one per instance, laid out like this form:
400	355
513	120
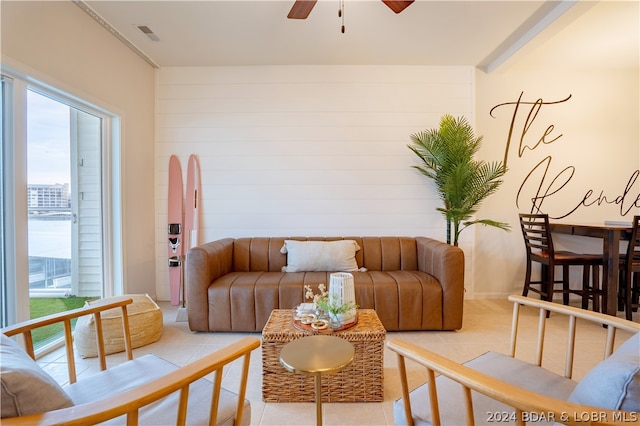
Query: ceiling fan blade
397	5
301	9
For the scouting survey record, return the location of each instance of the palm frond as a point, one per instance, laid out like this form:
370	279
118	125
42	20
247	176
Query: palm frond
462	183
489	222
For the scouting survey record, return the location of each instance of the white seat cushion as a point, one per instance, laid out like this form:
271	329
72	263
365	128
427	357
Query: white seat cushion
126	376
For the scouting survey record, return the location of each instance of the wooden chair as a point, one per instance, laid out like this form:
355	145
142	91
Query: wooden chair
496	388
539	248
629	287
145	390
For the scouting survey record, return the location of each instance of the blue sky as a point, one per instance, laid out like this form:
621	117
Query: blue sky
48	137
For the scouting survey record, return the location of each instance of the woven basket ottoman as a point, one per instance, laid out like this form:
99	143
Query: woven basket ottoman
145	323
361	381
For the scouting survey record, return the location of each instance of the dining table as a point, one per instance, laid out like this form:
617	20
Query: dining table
611	234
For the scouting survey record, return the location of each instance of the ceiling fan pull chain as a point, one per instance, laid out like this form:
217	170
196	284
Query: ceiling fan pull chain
341	14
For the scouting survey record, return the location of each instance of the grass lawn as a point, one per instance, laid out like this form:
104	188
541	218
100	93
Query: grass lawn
40	307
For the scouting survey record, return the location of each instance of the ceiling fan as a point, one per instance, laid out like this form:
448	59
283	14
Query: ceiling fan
302	8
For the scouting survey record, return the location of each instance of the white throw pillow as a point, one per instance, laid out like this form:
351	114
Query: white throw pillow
329	256
25	387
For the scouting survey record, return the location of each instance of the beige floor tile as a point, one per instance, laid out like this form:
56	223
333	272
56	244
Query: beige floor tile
357	413
276	414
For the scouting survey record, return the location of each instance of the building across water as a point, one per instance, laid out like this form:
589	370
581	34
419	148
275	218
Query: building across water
47	198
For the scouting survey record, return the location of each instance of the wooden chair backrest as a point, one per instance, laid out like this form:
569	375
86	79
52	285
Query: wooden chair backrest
131	401
536	233
522	400
633	249
26	328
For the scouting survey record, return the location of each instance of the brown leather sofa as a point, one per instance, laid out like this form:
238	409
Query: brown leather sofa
412	283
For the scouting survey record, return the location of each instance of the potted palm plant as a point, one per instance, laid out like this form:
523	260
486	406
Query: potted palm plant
462	182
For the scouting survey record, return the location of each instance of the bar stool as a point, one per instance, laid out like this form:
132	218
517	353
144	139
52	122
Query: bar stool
539	248
629	286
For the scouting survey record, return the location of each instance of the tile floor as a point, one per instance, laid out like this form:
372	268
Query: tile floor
486	326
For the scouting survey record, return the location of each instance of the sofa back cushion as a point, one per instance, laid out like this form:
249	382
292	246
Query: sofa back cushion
258	254
375	254
24	387
615	382
388	254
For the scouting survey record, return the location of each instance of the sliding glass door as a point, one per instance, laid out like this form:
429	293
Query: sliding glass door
61	210
6	293
64	199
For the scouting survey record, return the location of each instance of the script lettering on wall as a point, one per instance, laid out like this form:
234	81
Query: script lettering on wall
540	185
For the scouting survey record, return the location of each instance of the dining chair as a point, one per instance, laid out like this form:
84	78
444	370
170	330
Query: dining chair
540	249
629	286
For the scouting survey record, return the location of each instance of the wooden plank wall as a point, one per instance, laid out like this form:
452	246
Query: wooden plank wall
304	150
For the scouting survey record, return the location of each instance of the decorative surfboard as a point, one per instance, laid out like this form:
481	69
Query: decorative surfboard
192	203
175	217
192	209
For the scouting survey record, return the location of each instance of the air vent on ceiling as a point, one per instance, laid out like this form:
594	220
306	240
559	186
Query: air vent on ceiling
147	31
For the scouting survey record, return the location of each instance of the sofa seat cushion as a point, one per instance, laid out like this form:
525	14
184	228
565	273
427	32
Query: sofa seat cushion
503	367
144	369
403	300
24	387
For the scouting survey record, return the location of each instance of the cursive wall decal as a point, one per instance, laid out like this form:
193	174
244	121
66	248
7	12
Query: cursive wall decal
539	185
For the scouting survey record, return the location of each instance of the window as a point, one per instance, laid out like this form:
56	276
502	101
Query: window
64	248
6	95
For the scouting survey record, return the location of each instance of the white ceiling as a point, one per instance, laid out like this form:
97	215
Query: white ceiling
217	32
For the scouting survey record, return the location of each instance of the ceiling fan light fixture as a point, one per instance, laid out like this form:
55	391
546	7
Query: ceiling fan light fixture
398	5
301	9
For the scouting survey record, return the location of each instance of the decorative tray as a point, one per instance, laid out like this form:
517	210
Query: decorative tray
316	326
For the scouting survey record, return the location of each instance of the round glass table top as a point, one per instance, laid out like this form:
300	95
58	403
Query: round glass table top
317	354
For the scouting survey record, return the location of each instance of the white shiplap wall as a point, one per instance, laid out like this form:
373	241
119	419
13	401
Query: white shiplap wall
304	150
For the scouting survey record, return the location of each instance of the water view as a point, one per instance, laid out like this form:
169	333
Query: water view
50	252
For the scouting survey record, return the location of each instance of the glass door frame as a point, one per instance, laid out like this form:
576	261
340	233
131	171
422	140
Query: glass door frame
15	298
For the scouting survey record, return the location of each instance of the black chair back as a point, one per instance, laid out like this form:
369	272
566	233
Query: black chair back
537	236
633	250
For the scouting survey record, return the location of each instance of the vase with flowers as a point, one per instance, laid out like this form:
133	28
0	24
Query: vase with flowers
329	305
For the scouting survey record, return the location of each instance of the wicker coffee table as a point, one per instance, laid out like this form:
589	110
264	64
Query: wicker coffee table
362	381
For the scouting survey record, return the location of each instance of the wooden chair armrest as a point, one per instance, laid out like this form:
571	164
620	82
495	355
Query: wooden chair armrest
97	306
129	402
522	400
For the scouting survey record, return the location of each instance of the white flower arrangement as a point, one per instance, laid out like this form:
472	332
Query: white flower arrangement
324	303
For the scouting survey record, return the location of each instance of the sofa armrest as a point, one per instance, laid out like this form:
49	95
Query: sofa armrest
204	264
446	263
